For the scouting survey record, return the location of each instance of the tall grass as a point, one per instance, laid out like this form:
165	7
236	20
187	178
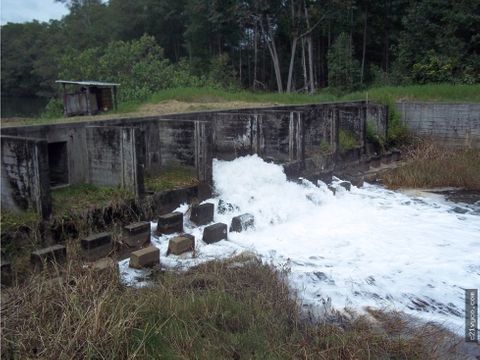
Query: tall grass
234	309
430	165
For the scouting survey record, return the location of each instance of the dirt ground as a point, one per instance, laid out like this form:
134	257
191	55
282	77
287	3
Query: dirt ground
161	108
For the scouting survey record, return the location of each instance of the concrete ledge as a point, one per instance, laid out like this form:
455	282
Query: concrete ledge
242	222
202	214
147	257
215	233
137	234
181	244
170	223
53	254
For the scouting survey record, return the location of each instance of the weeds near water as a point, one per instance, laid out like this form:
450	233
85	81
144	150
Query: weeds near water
233	309
430	165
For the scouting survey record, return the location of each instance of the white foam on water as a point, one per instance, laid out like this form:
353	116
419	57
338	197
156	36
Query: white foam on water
367	247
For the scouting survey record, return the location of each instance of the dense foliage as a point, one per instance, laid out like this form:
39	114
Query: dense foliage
293	45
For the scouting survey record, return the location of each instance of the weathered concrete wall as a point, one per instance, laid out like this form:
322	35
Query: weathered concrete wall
377	118
72	134
452	124
115	157
25	180
117	152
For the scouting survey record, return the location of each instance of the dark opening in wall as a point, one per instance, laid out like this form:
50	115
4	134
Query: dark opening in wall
58	163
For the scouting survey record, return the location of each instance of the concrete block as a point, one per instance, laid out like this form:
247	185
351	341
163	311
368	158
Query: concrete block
96	246
242	222
214	233
375	161
357	181
137	234
202	214
53	254
181	244
146	257
170	223
225	207
396	155
346	185
387	158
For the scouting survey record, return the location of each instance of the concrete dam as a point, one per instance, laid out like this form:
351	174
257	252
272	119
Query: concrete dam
345	246
120	153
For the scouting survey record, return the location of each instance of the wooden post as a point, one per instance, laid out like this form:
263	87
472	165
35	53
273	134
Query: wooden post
89	108
65	114
114	93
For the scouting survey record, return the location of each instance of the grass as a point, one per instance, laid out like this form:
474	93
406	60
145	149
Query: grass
81	197
430	165
347	140
233	309
210	98
172	177
12	221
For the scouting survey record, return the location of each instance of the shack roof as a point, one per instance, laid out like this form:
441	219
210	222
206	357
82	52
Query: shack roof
87	83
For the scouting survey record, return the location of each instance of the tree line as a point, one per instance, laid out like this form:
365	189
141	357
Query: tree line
274	45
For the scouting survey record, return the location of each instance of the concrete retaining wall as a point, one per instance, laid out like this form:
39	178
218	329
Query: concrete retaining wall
118	152
115	157
452	124
25	180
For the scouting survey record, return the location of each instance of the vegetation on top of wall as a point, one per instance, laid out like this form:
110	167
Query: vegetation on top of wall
80	197
171	177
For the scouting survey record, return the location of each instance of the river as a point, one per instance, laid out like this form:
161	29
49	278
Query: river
366	247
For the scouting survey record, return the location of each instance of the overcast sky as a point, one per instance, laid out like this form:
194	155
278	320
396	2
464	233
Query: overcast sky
28	10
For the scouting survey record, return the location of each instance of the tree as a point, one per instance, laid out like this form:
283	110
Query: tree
343	68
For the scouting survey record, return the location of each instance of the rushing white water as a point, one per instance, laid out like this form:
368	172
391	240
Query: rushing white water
367	247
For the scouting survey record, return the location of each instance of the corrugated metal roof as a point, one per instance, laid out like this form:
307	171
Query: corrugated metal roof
87	83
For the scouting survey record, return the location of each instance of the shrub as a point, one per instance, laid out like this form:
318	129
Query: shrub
53	109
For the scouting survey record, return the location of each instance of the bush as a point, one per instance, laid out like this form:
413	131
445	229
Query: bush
222	74
53	109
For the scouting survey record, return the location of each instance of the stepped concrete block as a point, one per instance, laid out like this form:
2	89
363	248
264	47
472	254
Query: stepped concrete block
202	214
242	222
52	254
170	223
137	234
214	233
146	257
97	246
181	244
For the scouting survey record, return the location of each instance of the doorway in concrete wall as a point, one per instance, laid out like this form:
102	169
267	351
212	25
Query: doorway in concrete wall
58	163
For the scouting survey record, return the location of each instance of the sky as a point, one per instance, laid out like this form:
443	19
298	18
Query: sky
18	11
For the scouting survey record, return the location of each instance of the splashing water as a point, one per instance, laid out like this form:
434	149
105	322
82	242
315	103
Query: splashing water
367	247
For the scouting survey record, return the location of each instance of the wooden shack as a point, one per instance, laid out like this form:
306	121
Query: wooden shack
88	97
